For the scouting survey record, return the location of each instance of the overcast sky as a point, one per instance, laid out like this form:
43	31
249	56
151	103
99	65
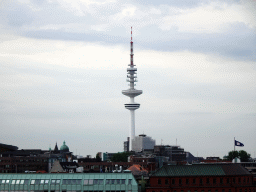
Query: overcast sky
63	66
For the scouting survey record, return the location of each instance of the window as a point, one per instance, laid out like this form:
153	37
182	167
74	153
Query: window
7	181
58	181
187	181
221	180
240	190
32	182
180	181
53	181
194	181
207	180
209	190
227	180
90	181
73	181
229	190
173	181
239	180
129	181
159	182
118	181
216	190
86	181
214	180
107	181
95	181
100	181
201	181
166	181
112	181
3	181
37	181
17	182
13	182
223	190
46	182
42	182
234	180
21	182
26	181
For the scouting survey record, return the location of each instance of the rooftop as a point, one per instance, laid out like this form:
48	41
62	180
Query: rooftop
201	170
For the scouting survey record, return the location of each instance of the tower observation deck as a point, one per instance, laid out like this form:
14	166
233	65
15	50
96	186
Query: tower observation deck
132	92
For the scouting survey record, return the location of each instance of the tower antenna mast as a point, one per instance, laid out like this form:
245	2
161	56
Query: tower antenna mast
132	92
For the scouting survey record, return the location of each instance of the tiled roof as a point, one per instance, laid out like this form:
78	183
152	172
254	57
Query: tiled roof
201	170
234	169
138	170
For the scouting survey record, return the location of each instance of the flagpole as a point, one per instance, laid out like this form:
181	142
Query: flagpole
234	144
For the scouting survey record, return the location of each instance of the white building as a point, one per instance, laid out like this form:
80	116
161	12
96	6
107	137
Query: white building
142	142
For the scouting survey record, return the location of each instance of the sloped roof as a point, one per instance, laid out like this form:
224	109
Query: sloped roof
5	147
137	169
201	170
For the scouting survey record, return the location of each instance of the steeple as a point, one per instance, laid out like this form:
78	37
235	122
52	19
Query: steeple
56	148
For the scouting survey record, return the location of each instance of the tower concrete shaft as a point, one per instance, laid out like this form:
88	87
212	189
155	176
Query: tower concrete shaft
132	92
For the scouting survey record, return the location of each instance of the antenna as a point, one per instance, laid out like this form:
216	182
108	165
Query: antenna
131	59
131	34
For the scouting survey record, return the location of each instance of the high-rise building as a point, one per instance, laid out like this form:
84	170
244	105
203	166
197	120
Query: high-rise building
132	92
142	142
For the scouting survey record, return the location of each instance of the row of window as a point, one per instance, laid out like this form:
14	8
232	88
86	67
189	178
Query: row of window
66	181
214	180
24	160
62	191
223	190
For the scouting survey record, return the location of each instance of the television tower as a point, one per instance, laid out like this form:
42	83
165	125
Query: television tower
132	92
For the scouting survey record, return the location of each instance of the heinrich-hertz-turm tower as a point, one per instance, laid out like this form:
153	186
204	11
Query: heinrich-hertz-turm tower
132	92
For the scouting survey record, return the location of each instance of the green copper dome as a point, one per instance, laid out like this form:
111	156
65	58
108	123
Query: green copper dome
64	147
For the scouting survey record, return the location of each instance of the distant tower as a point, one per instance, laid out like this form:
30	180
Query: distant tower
131	92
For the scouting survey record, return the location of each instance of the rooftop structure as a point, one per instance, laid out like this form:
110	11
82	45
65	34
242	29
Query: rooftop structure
132	92
142	142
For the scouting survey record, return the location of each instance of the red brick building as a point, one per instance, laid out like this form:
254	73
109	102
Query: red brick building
202	178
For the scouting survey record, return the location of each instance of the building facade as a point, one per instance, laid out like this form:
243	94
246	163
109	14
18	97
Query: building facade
202	178
142	142
174	153
96	182
32	160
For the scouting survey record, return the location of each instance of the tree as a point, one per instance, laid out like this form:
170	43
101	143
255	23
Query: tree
243	155
120	157
98	159
232	155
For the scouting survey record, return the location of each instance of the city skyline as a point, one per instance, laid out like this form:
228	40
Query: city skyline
63	65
